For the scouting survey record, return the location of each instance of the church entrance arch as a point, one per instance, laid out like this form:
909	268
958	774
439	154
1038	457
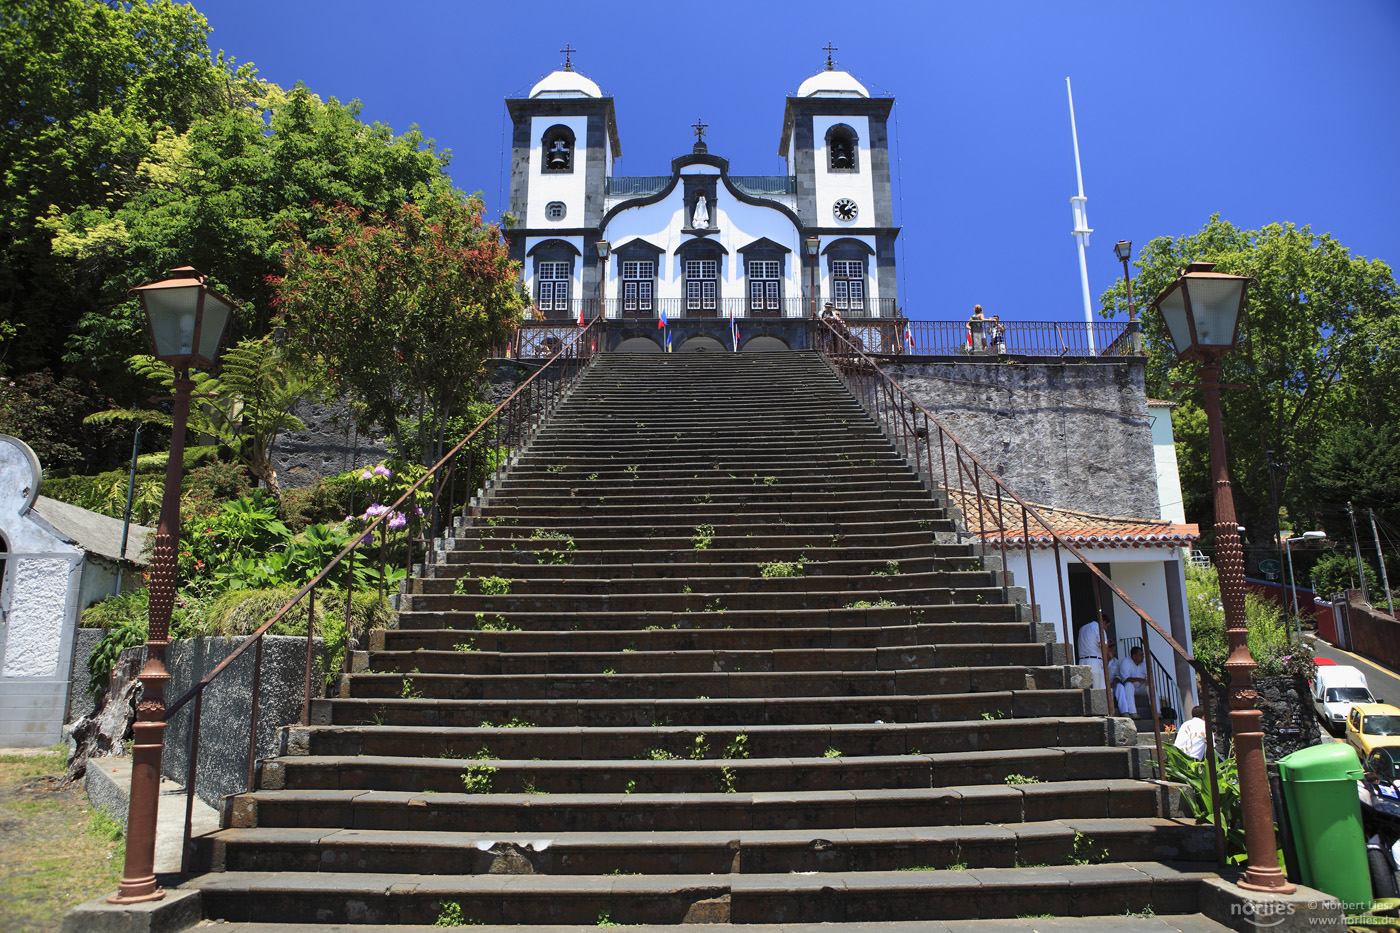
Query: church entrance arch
703	343
764	344
637	345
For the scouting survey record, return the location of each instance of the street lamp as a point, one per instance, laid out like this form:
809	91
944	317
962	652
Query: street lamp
1123	249
185	322
1292	580
1202	310
811	246
604	251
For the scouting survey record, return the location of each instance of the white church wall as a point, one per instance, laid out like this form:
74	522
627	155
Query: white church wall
568	187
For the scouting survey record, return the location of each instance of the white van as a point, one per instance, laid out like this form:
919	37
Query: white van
1335	690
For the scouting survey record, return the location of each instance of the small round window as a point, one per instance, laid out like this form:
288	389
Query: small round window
554	210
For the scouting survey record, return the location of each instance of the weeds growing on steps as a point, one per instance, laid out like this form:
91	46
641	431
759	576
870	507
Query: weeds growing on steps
450	915
468	645
783	568
479	779
738	746
704	536
1013	779
558	554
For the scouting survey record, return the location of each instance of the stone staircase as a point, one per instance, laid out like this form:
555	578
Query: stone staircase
740	674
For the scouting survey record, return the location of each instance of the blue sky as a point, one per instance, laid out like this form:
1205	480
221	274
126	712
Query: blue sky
1261	110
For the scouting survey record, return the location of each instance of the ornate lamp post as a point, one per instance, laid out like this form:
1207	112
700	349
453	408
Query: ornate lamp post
1124	249
1202	311
811	246
604	251
185	323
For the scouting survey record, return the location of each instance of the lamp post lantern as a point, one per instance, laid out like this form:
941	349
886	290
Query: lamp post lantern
1202	310
1123	249
185	322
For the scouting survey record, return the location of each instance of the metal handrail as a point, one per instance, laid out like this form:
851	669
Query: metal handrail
1166	683
900	414
579	348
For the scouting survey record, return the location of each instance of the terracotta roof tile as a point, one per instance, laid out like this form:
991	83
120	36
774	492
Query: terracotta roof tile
1082	529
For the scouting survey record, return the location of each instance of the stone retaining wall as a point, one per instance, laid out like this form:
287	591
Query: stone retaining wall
1076	435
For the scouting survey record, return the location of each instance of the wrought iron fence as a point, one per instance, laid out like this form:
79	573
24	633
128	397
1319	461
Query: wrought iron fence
1166	684
678	309
486	452
1002	518
1022	338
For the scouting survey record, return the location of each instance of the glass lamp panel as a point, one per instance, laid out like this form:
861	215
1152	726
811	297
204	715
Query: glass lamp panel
1215	304
211	330
171	312
1173	308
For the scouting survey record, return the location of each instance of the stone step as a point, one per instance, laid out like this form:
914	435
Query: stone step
1145	922
829	897
633	551
1059	842
651	812
407	639
743	712
812	578
583	621
455	567
626	659
758	598
519	738
705	685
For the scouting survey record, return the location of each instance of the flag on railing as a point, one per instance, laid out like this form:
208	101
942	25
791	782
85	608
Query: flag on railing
668	341
734	331
580	315
661	322
908	338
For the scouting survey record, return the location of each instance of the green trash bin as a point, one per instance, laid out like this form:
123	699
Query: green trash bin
1319	794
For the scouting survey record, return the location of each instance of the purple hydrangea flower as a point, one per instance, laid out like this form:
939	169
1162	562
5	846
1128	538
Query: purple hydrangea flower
397	520
366	475
383	471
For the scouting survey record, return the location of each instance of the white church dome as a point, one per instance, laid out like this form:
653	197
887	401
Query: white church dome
565	84
831	83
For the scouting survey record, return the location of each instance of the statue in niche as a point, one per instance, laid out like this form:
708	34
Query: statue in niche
700	220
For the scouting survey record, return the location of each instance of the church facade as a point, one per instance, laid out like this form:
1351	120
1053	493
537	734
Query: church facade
702	243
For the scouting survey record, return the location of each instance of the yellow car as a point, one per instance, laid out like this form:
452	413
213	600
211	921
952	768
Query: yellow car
1370	725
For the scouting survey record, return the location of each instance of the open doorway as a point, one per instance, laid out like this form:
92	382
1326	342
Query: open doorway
1082	608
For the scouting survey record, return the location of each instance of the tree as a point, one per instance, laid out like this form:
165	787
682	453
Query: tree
1319	346
403	310
85	88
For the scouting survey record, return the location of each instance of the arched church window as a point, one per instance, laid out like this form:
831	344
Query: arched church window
842	148
558	145
848	284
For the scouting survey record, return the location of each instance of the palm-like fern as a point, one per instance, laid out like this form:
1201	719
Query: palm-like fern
247	405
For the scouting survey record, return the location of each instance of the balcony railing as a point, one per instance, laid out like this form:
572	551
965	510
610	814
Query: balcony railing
636	186
765	186
1021	338
641	186
680	309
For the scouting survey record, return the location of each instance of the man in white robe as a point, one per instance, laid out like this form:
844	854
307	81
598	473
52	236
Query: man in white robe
1132	673
1088	651
1191	737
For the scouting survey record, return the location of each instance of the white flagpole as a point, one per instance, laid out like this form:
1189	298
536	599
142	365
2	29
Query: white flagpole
1081	223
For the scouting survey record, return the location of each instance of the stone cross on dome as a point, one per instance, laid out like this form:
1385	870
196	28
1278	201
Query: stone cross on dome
828	49
568	51
700	128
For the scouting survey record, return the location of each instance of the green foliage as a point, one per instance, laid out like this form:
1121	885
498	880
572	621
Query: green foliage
704	536
891	569
1336	573
1083	851
700	749
450	915
1316	360
494	586
47	414
1021	779
430	287
867	604
738	746
832	752
1183	769
554	554
778	568
727	780
478	779
657	754
496	624
1270	637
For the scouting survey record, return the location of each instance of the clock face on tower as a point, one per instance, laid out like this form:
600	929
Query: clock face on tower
845	209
